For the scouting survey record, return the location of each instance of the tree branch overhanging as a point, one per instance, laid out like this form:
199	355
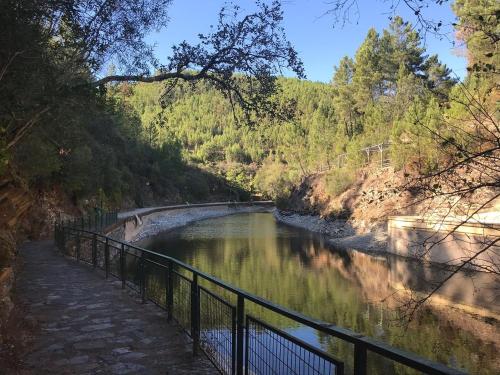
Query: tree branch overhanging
242	58
150	79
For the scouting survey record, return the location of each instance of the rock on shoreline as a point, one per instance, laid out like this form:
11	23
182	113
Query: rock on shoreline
340	232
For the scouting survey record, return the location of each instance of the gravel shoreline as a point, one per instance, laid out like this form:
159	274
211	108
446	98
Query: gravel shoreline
340	233
164	221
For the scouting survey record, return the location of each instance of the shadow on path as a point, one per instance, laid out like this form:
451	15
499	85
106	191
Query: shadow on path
90	325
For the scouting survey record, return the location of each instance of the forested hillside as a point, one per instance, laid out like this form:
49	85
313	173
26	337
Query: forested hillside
390	91
91	118
194	138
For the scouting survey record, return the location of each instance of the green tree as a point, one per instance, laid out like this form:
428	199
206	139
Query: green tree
367	75
479	28
344	101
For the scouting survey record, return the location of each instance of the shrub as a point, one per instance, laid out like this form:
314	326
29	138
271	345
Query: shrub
339	180
235	153
274	180
197	185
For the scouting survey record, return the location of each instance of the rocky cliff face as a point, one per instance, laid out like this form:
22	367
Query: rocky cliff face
366	204
15	202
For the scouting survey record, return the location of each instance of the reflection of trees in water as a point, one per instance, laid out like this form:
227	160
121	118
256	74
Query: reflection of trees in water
297	270
380	275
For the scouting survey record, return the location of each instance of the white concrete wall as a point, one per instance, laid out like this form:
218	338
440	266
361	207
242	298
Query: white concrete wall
443	241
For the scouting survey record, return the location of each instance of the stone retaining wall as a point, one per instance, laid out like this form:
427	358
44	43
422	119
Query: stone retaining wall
443	241
146	224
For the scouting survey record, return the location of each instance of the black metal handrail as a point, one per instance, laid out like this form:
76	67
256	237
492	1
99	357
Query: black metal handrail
69	240
98	221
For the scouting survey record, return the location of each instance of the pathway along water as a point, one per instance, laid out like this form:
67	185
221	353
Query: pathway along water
297	269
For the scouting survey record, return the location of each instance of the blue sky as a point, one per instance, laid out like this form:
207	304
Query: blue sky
320	42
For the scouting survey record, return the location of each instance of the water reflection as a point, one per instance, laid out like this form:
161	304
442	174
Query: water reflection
298	270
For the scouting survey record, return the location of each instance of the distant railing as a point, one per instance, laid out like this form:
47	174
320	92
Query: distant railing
97	222
216	315
376	155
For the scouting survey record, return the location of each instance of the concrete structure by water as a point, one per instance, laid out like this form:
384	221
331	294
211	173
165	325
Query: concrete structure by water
450	240
146	222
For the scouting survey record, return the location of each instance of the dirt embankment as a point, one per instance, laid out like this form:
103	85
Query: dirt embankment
25	214
373	196
15	202
357	217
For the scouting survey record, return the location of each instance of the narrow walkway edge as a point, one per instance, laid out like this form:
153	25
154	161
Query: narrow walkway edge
90	325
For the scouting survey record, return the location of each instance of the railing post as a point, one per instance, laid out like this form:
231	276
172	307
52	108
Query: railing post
94	250
59	236
56	235
233	341
195	314
63	235
143	278
165	276
106	258
240	332
360	359
82	222
170	295
122	265
78	246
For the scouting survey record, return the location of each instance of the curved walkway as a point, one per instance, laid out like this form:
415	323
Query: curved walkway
149	210
89	325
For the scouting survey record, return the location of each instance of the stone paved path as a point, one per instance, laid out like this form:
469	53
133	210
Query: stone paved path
89	325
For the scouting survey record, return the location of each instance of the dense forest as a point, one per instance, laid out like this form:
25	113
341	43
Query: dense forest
390	91
124	143
91	119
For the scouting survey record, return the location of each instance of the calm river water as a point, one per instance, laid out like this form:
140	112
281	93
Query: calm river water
351	289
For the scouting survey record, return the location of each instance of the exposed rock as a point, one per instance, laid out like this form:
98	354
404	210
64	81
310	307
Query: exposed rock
6	305
6	281
7	247
15	201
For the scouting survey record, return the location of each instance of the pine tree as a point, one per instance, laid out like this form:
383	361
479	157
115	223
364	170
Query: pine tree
344	100
479	28
367	73
399	45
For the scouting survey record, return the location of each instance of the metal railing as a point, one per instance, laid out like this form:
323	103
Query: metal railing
368	154
220	323
97	221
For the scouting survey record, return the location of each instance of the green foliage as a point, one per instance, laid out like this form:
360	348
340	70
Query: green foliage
414	136
37	158
235	153
147	140
241	177
339	180
105	151
196	186
275	180
371	99
344	101
479	27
